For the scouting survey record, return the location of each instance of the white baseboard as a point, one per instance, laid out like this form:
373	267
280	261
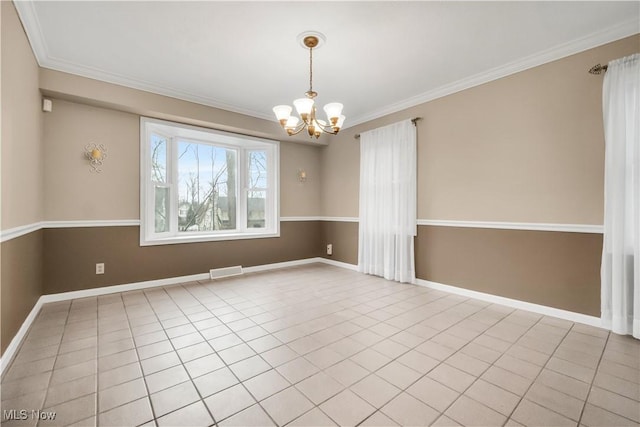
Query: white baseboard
14	345
277	265
513	303
64	296
338	263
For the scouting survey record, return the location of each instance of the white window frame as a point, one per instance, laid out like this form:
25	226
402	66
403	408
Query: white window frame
243	145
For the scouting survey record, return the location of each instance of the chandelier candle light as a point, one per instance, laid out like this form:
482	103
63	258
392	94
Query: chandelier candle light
305	106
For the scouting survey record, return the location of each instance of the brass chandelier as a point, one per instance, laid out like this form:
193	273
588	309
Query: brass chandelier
306	107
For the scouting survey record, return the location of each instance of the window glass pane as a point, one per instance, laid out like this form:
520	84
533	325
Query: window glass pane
161	214
206	187
256	202
257	169
158	158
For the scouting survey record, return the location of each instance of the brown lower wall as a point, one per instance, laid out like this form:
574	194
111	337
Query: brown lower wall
20	282
555	269
72	253
344	238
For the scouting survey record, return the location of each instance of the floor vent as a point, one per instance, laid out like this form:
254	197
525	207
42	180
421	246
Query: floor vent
225	272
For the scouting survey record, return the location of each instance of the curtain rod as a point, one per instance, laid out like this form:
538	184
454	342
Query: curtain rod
414	120
598	69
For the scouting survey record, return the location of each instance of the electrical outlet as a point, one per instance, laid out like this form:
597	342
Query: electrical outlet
100	268
329	249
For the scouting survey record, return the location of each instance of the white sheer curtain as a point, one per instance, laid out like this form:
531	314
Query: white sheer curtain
388	202
621	251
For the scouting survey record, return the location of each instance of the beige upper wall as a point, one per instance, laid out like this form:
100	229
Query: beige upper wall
87	110
22	156
525	148
299	198
73	192
341	175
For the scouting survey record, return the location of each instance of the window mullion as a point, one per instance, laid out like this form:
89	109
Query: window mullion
241	212
172	182
269	205
148	228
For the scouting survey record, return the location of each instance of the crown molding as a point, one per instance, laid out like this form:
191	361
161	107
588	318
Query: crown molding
29	18
591	41
96	74
33	29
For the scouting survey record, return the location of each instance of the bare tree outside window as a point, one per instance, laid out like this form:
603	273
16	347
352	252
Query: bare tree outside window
204	185
206	174
159	178
257	191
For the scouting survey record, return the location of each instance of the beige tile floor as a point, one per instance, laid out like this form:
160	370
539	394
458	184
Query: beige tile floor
316	346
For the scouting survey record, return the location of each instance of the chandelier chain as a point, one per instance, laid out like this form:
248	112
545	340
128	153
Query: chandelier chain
311	70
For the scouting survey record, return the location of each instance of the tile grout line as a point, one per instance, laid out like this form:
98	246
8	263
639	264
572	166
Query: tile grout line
348	388
98	373
164	330
240	382
226	365
590	383
322	370
5	372
139	361
489	367
595	374
538	375
441	362
78	378
164	289
314	406
463	301
370	346
364	297
542	369
66	322
97	414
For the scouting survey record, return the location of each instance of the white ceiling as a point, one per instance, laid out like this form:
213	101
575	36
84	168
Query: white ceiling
379	57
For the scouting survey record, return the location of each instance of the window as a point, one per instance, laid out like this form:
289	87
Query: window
200	185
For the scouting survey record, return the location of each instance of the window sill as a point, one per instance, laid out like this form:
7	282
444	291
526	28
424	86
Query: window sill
206	238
